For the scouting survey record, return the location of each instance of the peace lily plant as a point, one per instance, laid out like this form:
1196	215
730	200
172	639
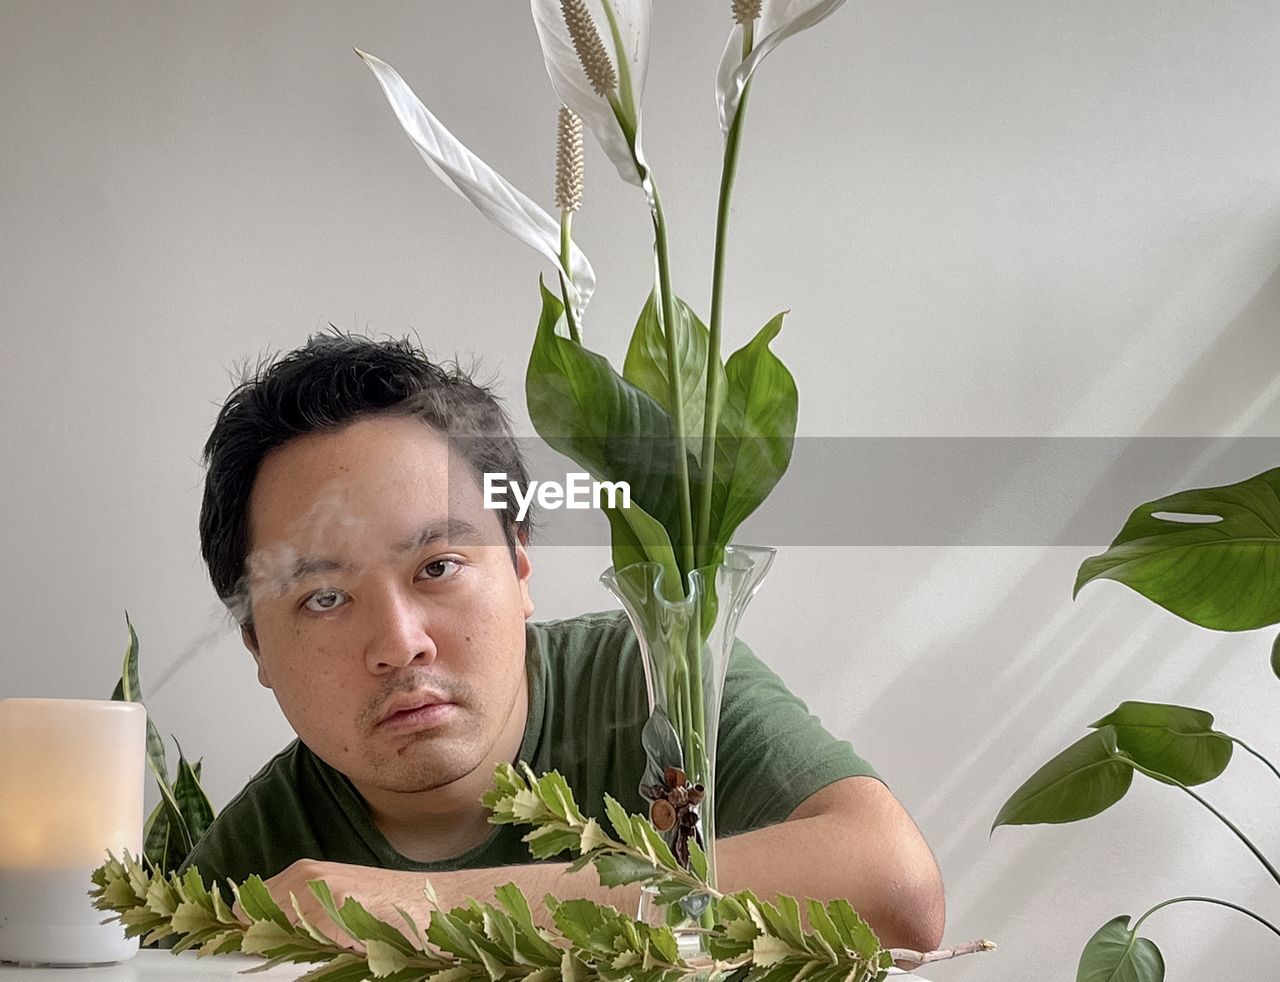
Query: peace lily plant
1209	556
701	441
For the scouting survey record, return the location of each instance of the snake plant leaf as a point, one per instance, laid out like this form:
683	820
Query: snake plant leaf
466	174
756	431
624	27
779	20
1207	555
197	811
591	414
1084	780
179	843
646	364
129	689
155	838
1116	954
1178	742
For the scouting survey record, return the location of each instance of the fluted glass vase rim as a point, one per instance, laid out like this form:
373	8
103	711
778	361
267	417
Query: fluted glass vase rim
738	556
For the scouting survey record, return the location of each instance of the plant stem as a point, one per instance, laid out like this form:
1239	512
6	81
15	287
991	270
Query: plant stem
711	415
685	560
1165	779
1209	900
1255	753
566	220
673	379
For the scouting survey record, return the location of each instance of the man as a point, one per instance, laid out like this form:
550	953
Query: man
387	609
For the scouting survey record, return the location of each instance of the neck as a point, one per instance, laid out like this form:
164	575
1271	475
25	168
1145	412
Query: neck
444	822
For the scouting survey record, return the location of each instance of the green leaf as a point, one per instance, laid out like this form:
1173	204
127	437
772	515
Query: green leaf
155	836
344	968
1085	779
769	950
551	840
857	933
756	431
363	926
263	936
590	413
1207	555
179	842
128	689
617	869
449	932
384	958
698	861
1116	954
823	926
257	902
193	803
1172	740
646	365
638	537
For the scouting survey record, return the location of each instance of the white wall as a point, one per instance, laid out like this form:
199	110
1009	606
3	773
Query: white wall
988	219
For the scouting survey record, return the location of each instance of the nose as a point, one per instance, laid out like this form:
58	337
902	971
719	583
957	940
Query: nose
399	633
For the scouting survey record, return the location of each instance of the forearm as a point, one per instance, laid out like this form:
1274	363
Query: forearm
893	886
535	880
805	857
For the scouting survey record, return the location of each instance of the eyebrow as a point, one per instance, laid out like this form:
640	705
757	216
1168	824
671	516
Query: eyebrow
455	530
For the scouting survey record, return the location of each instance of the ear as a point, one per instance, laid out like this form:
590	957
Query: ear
250	638
523	569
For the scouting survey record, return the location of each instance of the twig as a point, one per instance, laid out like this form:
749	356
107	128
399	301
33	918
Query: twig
918	958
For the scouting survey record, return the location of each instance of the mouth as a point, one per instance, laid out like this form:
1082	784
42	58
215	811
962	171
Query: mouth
410	713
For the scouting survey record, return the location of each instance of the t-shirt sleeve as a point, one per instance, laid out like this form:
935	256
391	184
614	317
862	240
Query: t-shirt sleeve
772	753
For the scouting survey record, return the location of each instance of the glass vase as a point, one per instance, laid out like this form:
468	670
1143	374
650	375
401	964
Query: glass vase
686	636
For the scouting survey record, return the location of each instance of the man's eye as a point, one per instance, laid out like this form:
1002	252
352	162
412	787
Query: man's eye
440	569
325	600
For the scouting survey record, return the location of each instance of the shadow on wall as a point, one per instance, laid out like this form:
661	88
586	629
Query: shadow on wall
1055	680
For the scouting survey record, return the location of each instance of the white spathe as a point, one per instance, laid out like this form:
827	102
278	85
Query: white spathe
633	18
495	197
778	20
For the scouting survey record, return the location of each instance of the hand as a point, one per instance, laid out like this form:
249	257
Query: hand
373	888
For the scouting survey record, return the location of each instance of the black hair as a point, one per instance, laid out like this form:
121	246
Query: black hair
330	382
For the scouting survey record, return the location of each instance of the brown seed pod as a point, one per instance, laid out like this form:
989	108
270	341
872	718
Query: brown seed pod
696	794
662	815
675	777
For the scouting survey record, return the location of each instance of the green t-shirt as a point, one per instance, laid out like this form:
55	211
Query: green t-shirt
587	705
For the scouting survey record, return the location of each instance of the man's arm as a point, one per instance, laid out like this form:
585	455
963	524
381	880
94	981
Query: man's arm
852	839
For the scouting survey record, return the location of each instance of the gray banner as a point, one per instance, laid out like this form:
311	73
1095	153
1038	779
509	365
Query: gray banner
941	491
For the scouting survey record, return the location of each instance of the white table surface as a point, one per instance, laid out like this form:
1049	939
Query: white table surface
164	966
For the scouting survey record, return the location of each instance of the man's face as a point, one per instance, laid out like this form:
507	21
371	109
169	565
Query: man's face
388	614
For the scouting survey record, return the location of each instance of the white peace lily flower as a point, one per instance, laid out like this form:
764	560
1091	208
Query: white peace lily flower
779	19
619	67
469	176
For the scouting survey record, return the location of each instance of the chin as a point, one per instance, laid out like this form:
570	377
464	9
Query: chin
423	765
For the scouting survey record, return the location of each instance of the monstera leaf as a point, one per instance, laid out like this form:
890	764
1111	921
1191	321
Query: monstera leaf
1208	555
1116	954
1084	780
1175	741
